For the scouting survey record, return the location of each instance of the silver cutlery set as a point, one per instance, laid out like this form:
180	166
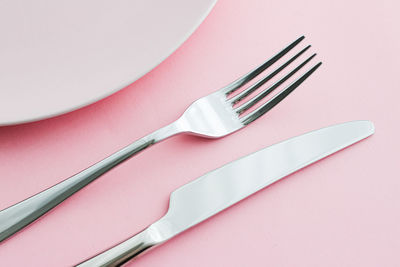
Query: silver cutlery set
213	116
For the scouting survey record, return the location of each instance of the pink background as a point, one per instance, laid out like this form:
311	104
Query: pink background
342	211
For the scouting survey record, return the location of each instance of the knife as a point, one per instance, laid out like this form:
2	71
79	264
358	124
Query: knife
223	187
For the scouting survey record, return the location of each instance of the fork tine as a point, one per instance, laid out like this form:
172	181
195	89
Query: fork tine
249	76
266	92
258	84
277	98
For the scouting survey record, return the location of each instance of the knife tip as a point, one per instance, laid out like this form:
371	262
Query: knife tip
367	127
371	127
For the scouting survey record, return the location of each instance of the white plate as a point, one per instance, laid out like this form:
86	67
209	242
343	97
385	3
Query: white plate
57	56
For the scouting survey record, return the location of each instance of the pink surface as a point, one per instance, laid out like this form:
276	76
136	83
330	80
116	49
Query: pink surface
342	211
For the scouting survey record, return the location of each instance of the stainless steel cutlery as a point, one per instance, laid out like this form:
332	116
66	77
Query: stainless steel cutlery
213	116
216	115
223	187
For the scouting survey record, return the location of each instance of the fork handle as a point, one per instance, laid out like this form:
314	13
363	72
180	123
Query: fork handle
19	215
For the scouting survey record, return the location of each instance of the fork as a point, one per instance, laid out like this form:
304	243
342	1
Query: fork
213	116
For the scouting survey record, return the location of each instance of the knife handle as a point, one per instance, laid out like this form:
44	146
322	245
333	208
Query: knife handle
124	251
18	216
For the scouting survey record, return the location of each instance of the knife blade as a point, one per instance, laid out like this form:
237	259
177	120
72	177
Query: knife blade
223	187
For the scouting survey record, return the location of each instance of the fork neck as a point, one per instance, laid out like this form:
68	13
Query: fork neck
153	138
163	133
